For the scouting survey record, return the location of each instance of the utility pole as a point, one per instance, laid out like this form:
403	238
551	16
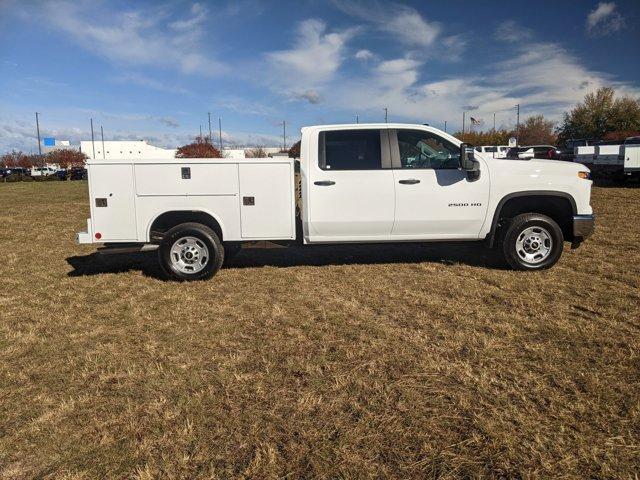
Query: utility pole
386	112
463	119
200	132
220	133
209	113
102	135
494	121
38	130
284	135
518	125
445	126
357	118
93	144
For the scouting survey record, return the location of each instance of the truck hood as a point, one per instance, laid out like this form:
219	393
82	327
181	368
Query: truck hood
536	166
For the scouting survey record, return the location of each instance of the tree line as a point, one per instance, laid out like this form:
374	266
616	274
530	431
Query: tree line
600	116
66	158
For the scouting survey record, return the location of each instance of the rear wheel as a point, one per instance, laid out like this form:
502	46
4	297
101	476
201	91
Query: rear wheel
532	241
190	251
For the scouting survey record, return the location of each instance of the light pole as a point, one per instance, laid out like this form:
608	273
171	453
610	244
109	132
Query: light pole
93	144
284	135
464	113
38	130
518	125
386	114
445	126
209	113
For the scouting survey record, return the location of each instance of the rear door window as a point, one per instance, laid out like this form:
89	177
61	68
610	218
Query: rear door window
350	150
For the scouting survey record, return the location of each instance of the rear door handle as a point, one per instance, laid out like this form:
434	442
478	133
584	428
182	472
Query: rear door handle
324	183
409	181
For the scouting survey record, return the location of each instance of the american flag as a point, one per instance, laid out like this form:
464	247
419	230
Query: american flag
475	122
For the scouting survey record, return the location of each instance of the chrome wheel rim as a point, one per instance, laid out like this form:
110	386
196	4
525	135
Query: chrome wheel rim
534	245
189	255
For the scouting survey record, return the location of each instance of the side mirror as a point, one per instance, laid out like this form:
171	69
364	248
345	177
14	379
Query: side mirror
468	163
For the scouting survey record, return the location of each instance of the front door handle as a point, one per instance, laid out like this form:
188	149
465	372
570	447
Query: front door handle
324	183
409	181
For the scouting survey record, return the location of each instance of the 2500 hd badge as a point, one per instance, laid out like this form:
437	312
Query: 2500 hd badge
465	204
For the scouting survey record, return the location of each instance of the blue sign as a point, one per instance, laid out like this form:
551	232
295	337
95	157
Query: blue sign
49	142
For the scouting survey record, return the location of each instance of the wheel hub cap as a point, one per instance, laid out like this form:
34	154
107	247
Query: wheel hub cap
534	244
189	255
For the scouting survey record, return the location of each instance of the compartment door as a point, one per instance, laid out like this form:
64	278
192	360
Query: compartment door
112	202
266	201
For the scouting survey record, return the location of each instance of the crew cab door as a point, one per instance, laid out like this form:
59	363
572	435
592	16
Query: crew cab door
435	200
351	193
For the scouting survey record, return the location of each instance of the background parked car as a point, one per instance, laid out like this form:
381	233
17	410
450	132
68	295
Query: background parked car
496	151
15	170
534	151
42	171
77	173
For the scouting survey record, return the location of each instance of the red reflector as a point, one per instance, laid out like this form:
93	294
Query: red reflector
98	235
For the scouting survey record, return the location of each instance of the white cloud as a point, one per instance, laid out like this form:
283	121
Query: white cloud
316	55
137	37
311	96
541	77
149	82
604	19
510	31
402	22
364	54
169	122
198	16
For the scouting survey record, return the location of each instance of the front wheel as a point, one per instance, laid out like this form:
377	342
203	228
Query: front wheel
532	242
190	251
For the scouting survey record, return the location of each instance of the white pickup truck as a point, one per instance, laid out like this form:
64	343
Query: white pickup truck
612	158
358	183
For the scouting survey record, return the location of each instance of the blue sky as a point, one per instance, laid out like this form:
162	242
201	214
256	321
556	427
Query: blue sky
152	70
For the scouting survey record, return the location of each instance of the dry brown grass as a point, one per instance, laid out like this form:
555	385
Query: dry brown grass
410	361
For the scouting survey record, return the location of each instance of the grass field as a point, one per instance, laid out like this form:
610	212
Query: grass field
409	361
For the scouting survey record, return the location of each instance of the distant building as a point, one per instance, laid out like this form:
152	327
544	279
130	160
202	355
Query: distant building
50	144
242	152
114	149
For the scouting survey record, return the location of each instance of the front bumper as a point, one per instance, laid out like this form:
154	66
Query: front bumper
583	226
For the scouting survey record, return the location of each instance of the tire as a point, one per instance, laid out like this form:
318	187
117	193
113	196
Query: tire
190	251
532	241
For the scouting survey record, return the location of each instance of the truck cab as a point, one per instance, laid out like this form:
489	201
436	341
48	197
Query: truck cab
357	184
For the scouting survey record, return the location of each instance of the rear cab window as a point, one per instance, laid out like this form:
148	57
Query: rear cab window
350	150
